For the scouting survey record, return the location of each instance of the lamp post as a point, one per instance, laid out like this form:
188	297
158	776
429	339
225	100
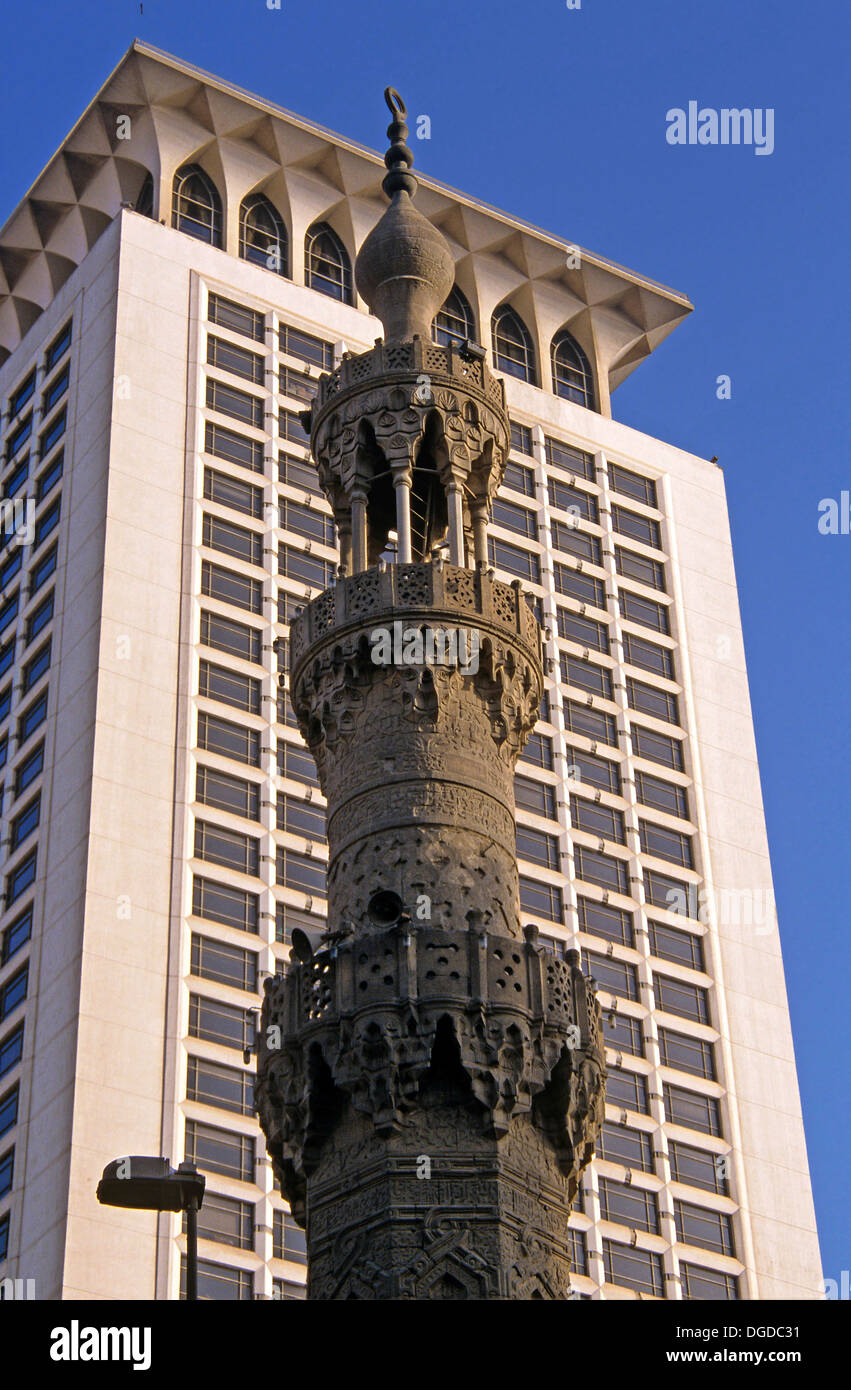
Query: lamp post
151	1184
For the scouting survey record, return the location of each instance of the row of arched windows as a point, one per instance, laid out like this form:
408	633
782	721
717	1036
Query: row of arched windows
197	210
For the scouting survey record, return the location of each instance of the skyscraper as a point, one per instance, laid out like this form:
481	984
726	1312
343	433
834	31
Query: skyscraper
173	285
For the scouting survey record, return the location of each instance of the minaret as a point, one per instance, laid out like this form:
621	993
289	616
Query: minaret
430	1081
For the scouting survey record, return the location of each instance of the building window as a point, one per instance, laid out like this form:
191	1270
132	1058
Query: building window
302	818
298	473
262	235
58	348
215	1022
41	572
593	723
196	205
289	1240
587	675
613	923
5	1223
218	1282
291	428
661	795
672	893
21	878
229	965
633	485
7	1172
576	584
303	521
513	352
50	477
220	902
601	821
238	360
237	317
307	569
521	437
231	587
537	797
630	1147
226	793
229	687
454	323
627	1090
712	1230
226	1220
573	500
585	632
639	528
635	1269
229	848
649	699
615	976
648	656
13	992
597	772
228	492
209	1083
36	667
687	1054
706	1284
220	1151
539	752
327	267
314	351
672	845
636	609
240	405
9	1110
514	518
226	635
572	378
677	997
56	390
541	899
304	874
692	1110
629	1206
19	398
522	564
670	944
520	479
537	847
699	1168
288	918
24	823
217	735
16	935
657	748
573	542
640	568
296	764
296	385
234	448
11	1049
623	1034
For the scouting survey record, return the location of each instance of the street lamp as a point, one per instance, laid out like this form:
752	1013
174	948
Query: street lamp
151	1184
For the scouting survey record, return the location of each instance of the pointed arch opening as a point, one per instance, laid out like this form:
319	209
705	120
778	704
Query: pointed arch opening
263	238
513	350
327	266
572	376
454	323
196	205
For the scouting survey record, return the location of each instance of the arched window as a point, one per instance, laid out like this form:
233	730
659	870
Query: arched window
196	205
454	323
326	263
262	235
145	197
571	371
513	352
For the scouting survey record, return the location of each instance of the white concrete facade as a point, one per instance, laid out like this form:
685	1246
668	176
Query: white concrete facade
109	1022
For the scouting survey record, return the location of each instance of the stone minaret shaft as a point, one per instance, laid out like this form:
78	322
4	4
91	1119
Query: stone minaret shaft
430	1081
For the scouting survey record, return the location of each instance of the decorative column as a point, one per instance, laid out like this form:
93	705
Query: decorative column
359	550
402	487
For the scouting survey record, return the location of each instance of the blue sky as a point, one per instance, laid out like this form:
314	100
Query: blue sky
558	116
